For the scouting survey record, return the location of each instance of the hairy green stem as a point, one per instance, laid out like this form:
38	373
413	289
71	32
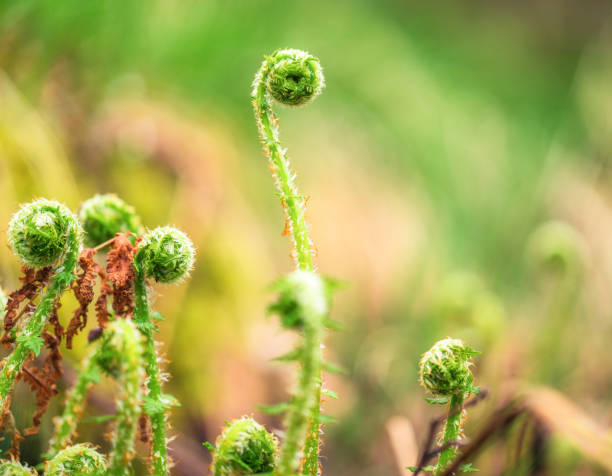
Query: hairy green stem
127	342
156	405
65	425
302	403
452	432
63	276
118	354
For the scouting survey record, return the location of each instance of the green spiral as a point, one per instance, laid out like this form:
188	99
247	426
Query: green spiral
445	368
165	254
295	77
103	216
445	371
13	468
81	460
244	448
39	233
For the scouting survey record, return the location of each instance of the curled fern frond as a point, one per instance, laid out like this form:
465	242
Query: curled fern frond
165	254
103	216
244	448
290	77
445	371
81	459
13	468
295	77
39	233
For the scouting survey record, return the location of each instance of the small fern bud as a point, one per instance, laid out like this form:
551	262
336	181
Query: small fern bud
13	468
103	216
39	233
295	77
81	459
555	248
302	299
165	254
445	368
244	448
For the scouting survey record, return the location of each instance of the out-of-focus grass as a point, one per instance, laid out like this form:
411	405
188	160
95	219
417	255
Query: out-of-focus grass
447	133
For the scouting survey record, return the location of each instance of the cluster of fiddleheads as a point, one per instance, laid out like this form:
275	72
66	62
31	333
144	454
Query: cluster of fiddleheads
48	239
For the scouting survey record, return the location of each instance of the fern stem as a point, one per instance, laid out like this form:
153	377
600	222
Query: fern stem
156	410
303	402
452	432
65	425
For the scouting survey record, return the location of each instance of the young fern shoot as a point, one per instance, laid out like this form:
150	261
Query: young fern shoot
14	468
244	448
42	233
81	460
290	77
293	77
166	255
444	371
103	216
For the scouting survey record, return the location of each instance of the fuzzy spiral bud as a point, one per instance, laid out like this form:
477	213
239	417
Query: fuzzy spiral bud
165	254
295	77
244	448
302	299
103	216
13	468
445	368
39	233
81	459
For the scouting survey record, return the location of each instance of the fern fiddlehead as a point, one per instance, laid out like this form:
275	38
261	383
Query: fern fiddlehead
293	77
244	448
166	255
444	371
103	216
119	354
42	233
14	468
81	460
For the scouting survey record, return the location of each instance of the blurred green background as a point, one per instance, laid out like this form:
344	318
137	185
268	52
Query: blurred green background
448	135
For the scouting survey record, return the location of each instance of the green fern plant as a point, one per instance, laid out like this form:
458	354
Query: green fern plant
445	372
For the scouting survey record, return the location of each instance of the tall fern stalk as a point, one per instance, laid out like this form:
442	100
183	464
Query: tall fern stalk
293	78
